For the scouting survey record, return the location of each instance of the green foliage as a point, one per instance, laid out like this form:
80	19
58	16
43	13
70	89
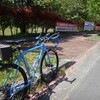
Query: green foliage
70	10
74	10
94	10
94	6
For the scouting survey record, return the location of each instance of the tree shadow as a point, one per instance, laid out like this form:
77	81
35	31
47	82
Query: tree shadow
87	35
68	37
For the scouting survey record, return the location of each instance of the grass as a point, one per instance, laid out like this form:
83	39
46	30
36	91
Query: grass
30	57
95	37
7	32
20	35
40	84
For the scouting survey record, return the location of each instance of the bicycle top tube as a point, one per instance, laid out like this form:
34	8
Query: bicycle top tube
34	48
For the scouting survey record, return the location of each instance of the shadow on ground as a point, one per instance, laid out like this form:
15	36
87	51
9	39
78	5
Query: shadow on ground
48	90
46	95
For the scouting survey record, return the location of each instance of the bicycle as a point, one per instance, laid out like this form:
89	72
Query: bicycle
14	79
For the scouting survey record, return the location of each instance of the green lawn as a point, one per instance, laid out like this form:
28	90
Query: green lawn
19	36
95	37
8	32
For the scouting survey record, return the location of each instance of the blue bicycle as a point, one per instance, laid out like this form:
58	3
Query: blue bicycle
15	80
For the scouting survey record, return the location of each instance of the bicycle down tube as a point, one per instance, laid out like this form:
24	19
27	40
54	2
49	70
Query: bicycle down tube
21	56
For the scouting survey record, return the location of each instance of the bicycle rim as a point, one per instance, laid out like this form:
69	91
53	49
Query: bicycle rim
49	65
10	78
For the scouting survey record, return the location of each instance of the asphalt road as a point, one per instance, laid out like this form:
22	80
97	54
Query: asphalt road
89	87
84	83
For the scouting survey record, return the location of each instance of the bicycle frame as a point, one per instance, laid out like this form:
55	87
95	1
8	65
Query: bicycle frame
21	58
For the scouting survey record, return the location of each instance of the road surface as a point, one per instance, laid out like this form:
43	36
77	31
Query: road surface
83	83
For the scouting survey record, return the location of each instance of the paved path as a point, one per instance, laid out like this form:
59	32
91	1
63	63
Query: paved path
89	87
83	82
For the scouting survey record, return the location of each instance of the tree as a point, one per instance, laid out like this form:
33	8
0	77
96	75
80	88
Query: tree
94	10
5	17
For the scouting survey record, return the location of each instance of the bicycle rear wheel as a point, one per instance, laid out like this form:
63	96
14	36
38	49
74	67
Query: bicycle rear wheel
49	65
11	76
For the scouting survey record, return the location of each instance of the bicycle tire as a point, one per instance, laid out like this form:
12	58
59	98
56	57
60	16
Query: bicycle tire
52	64
5	91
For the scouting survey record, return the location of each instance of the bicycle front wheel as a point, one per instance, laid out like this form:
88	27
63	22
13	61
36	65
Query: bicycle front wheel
49	65
12	79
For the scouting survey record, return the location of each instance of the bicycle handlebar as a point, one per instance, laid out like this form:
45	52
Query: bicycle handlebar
47	37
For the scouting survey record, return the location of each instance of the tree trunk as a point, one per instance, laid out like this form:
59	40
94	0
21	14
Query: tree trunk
32	30
23	29
43	29
3	32
36	29
11	30
54	30
16	30
46	29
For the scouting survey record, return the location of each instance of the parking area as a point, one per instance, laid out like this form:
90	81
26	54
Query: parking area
71	46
